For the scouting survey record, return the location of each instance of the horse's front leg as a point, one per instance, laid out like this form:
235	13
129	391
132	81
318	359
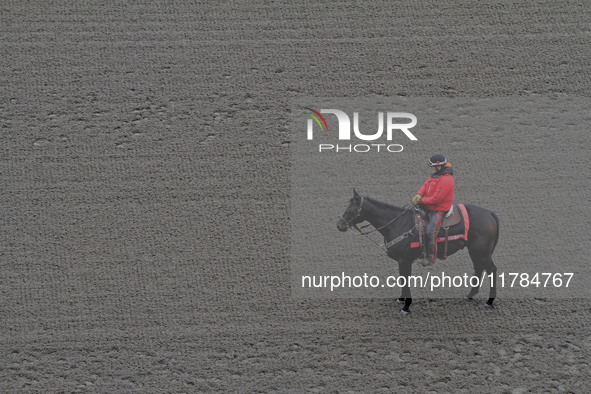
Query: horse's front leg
405	270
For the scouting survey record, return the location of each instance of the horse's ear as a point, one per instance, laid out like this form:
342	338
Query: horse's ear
355	194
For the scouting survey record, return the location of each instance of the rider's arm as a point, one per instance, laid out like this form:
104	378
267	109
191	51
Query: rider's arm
444	188
423	190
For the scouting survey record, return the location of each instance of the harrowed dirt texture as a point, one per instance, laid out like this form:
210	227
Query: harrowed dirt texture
146	175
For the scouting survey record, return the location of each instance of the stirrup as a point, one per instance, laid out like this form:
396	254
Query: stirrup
425	262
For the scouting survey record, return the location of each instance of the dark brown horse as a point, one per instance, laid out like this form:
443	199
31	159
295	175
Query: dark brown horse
397	224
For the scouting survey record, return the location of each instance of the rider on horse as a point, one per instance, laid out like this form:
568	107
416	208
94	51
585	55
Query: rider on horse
436	195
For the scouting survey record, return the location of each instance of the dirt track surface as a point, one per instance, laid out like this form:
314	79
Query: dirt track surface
146	190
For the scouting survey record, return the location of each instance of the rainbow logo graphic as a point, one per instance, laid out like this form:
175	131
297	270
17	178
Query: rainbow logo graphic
316	115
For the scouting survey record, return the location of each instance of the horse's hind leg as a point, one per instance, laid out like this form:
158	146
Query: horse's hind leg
474	290
479	265
482	263
491	271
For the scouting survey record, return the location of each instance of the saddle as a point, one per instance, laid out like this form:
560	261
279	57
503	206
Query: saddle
451	218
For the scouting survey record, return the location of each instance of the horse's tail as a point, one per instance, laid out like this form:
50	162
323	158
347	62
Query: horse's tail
497	236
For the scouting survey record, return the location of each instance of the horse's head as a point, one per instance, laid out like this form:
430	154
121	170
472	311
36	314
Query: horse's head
353	214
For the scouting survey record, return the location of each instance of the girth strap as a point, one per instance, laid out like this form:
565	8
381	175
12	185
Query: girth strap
398	239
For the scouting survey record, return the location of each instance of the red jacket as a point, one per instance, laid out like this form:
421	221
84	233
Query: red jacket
438	192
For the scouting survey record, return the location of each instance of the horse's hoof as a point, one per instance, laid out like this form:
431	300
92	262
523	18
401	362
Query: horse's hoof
468	298
404	312
400	301
489	306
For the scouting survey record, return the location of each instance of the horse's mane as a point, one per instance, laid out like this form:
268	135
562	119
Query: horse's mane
384	205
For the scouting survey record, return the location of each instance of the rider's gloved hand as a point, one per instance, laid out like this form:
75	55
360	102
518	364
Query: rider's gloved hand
416	199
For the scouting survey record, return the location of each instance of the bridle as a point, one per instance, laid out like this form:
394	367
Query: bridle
348	222
384	246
